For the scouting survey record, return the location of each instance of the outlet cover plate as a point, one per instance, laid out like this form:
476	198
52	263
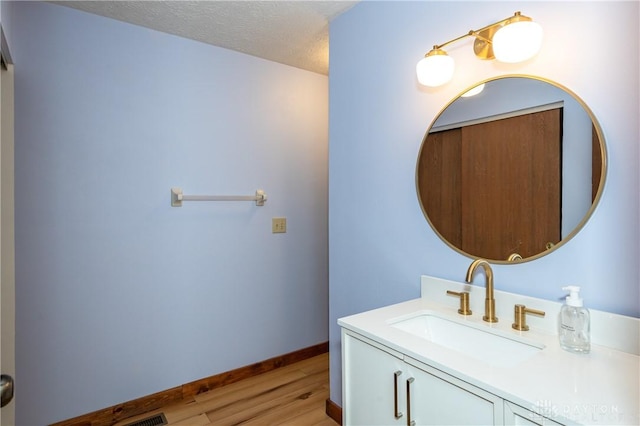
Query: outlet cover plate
279	225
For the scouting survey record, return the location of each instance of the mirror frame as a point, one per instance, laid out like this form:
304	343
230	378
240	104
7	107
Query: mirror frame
588	214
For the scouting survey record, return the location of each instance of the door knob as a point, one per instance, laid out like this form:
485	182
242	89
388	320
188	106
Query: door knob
6	389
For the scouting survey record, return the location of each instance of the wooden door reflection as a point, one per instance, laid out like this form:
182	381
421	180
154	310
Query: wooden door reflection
478	182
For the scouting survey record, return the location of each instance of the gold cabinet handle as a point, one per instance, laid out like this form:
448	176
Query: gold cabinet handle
397	414
464	301
519	314
409	421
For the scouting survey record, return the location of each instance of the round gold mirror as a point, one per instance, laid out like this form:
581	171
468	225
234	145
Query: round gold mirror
512	173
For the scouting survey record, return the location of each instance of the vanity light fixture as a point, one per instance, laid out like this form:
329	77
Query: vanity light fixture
514	39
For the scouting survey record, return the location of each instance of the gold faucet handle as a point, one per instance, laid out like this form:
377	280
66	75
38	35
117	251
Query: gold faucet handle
519	314
464	301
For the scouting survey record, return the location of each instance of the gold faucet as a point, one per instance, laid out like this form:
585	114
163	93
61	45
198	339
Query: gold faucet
489	301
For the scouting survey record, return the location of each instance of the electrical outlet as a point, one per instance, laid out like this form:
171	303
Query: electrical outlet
279	225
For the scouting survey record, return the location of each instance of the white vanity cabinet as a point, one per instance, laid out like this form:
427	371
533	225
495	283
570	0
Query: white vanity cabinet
383	387
405	364
372	383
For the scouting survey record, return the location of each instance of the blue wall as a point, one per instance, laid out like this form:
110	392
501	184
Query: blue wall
379	240
119	295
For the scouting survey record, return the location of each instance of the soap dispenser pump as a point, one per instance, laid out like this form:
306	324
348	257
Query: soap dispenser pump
574	323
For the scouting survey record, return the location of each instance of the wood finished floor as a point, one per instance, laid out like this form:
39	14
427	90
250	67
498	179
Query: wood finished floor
294	395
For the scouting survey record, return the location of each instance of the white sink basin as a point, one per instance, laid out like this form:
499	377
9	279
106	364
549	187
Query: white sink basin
478	341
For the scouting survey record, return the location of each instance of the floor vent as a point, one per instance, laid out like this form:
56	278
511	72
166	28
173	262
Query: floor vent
155	420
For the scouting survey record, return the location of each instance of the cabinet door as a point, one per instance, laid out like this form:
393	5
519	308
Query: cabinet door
436	398
370	395
515	415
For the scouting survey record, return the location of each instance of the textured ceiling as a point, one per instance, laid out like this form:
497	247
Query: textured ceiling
295	33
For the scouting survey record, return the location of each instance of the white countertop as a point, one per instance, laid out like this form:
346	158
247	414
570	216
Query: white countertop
601	387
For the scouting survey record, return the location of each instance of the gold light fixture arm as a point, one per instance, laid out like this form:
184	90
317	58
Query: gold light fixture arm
440	46
480	36
482	45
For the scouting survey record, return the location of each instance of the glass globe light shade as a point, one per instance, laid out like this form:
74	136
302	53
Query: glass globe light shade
517	42
435	69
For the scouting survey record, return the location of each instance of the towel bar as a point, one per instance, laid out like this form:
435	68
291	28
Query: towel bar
177	197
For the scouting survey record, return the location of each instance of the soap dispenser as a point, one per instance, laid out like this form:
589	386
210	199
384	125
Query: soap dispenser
574	323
